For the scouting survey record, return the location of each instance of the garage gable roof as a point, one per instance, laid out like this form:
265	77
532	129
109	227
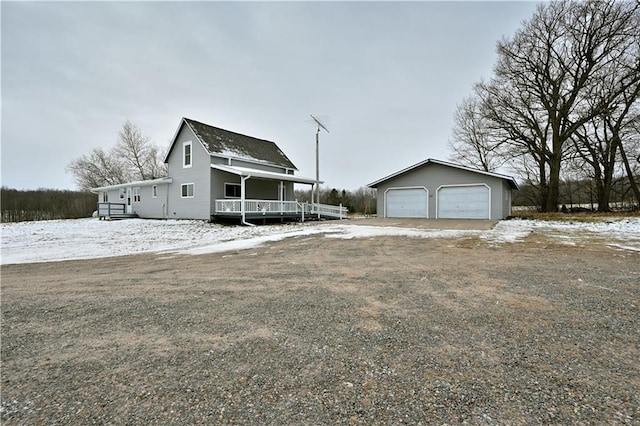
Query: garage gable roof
512	183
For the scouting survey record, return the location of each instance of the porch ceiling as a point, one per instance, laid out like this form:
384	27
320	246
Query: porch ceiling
261	174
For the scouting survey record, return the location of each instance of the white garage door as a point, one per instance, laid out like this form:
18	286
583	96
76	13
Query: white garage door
406	202
463	202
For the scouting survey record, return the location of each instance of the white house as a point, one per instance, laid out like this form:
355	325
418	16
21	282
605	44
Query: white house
213	174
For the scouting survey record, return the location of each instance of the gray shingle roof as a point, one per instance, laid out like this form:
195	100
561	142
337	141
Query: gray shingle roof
230	144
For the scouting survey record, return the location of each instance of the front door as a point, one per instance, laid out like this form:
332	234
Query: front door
129	207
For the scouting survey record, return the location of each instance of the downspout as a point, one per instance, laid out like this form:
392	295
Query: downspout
165	213
243	179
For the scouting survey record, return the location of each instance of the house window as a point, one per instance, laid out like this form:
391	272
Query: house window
186	154
105	197
232	190
136	194
154	191
187	190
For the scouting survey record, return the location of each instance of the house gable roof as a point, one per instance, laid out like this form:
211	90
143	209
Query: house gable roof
512	183
228	144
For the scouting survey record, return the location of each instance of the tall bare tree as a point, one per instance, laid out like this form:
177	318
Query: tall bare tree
630	152
599	141
140	156
516	118
545	72
98	168
474	144
133	157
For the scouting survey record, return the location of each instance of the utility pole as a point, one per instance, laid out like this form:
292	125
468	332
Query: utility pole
317	166
317	185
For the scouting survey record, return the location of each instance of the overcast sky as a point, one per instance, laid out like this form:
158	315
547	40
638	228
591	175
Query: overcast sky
385	76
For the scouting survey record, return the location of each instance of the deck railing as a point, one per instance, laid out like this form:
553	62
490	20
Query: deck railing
111	209
329	210
275	207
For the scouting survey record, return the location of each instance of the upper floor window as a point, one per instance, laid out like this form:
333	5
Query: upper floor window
186	154
136	194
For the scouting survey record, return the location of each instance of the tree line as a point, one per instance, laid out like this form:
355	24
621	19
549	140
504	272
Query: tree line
45	204
362	200
581	196
562	102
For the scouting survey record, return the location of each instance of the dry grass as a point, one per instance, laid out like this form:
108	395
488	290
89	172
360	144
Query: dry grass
574	217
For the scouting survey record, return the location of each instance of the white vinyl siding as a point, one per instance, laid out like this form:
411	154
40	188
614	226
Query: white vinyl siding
198	174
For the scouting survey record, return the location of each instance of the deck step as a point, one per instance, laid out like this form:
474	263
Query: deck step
119	216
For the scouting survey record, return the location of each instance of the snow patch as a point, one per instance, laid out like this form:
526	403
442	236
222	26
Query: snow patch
47	241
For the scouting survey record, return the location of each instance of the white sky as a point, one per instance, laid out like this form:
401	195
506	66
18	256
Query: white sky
386	77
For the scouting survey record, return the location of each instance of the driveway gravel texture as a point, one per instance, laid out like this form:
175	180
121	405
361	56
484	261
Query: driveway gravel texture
316	330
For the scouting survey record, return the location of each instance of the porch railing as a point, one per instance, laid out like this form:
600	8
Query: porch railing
256	206
275	207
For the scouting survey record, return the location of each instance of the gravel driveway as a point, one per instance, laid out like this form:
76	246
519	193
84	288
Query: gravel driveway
311	330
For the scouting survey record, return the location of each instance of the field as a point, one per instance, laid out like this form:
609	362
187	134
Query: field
404	325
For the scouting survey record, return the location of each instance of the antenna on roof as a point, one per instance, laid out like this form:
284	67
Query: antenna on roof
319	123
317	185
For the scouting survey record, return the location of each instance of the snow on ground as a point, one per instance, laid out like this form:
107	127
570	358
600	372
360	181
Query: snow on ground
46	241
616	232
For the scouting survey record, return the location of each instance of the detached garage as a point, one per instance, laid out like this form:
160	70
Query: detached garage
440	190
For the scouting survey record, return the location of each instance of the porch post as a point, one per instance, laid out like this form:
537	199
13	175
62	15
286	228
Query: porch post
281	197
242	197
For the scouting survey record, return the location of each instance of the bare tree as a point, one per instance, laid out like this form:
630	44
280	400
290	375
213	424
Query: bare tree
517	118
630	153
474	144
140	156
99	168
546	71
600	140
133	157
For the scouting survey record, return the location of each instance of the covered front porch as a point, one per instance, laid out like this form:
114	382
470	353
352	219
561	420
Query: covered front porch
246	209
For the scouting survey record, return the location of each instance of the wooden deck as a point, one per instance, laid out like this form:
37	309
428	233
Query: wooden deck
247	210
112	211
